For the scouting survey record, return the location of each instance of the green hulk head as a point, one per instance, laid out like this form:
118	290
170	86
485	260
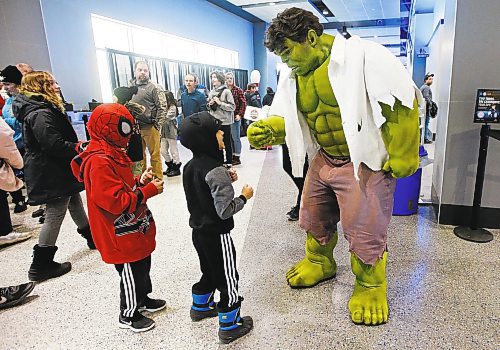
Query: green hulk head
296	36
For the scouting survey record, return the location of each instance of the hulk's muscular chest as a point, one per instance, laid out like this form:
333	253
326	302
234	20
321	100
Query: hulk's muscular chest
316	101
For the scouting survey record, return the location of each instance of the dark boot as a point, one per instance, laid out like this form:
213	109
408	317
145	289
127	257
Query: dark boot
169	167
175	170
236	160
85	233
232	326
44	267
203	307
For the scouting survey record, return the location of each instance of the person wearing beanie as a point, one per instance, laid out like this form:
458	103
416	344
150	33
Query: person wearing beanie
11	78
212	204
122	226
11	75
123	95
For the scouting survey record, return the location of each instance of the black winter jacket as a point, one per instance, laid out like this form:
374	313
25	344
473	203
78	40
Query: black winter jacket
207	184
50	143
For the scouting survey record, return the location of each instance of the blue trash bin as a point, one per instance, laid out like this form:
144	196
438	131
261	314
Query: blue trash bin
407	191
406	194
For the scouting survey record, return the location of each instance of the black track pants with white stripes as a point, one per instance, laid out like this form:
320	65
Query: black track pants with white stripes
218	267
135	285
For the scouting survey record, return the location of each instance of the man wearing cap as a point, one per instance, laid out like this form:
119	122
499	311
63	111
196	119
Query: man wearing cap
11	78
427	93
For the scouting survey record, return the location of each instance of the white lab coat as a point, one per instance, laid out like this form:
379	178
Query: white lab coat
362	74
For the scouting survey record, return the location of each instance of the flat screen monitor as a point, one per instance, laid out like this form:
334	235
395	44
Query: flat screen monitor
93	105
487	106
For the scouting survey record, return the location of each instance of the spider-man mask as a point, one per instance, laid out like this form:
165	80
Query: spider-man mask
112	123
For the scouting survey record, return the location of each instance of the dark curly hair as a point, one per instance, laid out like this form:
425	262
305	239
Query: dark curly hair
293	23
220	76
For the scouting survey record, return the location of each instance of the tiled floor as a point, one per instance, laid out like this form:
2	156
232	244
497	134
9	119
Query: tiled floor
442	291
427	170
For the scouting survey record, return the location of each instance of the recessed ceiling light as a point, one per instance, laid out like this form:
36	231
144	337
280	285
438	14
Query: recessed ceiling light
272	3
325	11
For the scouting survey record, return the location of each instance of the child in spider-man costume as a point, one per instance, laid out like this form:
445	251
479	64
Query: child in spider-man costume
122	226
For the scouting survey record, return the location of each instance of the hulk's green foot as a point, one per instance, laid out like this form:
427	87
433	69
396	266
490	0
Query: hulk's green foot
317	266
368	304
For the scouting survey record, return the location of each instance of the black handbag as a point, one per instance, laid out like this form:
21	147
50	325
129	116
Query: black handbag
214	106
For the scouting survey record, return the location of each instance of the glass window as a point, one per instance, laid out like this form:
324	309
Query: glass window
147	42
104	78
181	50
121	36
205	54
109	34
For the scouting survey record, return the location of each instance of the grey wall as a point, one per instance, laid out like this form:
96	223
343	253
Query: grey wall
472	45
22	34
265	61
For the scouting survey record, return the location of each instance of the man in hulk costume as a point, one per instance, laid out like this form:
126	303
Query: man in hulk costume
351	105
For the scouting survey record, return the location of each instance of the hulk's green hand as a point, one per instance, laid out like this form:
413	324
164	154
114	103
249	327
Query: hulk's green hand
401	138
267	132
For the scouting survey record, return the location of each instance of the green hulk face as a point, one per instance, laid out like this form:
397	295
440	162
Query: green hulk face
305	57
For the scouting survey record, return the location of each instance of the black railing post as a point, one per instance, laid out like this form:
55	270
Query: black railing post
473	233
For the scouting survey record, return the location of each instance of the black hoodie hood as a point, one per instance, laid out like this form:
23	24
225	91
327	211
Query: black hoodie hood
197	133
22	105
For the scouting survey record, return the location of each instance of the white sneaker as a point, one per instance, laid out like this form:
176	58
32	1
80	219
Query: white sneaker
14	237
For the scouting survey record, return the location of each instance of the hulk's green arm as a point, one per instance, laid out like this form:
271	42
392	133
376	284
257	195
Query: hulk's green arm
401	137
267	132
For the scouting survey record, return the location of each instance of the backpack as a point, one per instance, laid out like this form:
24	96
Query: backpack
433	109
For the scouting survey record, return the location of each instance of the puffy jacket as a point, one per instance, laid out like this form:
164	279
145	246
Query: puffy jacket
122	226
50	143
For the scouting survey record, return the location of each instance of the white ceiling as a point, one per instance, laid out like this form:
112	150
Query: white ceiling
267	10
344	11
358	10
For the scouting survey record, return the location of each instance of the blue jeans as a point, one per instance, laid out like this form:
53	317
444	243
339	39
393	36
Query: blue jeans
427	131
235	132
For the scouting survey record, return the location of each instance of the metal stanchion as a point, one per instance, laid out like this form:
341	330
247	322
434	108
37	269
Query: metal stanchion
474	233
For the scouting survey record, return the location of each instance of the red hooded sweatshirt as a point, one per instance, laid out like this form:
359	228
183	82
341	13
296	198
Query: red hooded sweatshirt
122	226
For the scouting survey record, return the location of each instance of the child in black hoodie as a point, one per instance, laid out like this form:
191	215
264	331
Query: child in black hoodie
211	203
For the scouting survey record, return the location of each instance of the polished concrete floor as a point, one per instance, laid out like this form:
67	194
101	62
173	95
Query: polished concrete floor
442	291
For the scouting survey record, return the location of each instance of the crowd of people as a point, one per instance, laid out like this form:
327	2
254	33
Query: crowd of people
42	157
112	169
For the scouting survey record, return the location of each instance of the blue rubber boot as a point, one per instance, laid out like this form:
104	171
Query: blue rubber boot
232	326
203	307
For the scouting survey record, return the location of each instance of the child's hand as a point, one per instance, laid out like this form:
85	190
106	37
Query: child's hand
233	174
247	191
158	184
147	176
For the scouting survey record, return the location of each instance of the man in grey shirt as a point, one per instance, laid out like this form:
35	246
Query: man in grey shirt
152	97
427	93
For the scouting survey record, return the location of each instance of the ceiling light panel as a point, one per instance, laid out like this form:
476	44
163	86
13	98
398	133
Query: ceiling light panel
390	8
252	2
357	10
267	13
